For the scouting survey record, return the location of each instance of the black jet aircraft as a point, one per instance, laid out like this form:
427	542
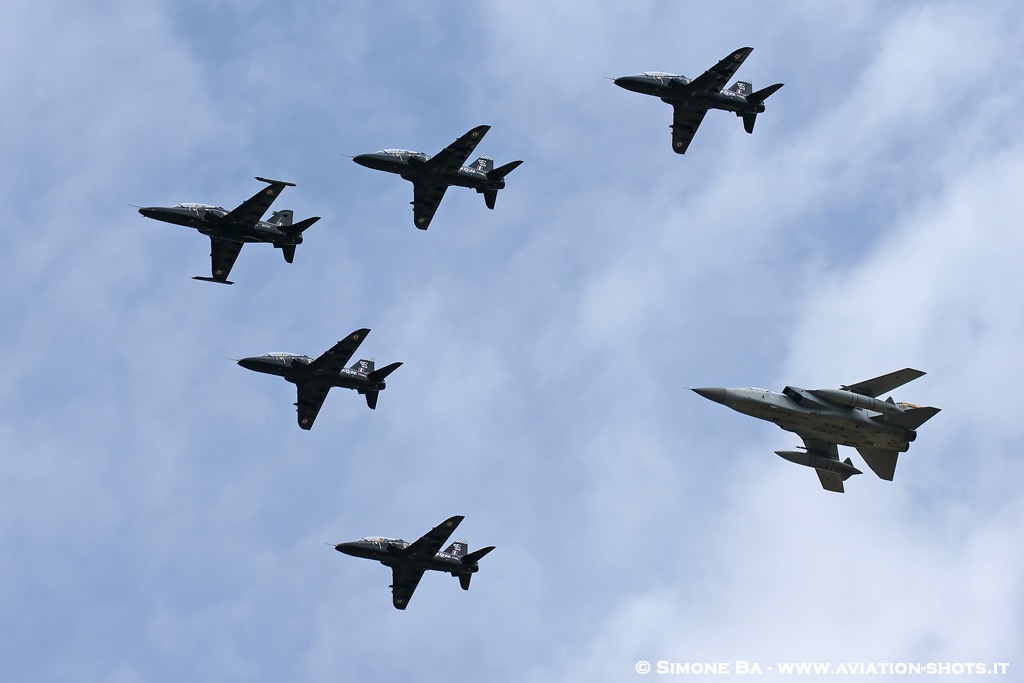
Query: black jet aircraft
691	99
431	176
408	561
230	230
314	377
851	415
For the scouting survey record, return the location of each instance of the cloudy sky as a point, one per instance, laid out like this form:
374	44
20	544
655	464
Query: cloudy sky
162	516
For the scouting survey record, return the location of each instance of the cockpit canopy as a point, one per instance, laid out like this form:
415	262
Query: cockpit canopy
281	355
381	539
193	205
659	74
405	154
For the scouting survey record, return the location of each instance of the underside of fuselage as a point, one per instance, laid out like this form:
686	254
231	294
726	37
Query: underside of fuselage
852	429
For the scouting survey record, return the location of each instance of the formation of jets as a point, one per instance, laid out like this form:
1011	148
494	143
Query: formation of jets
852	415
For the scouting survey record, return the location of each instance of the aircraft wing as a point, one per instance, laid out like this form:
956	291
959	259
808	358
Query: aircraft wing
427	545
426	197
715	78
880	385
404	580
686	119
335	358
830	481
223	254
311	396
825	449
253	208
454	156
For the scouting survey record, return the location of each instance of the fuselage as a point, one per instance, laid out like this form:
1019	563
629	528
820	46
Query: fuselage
411	166
388	551
812	418
207	220
669	88
296	369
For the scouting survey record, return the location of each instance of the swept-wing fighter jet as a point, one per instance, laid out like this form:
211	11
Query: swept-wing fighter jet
408	561
825	418
314	377
431	176
691	99
229	230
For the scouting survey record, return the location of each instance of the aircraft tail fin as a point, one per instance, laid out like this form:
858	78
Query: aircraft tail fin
281	218
457	549
503	171
741	88
363	365
912	418
377	375
483	164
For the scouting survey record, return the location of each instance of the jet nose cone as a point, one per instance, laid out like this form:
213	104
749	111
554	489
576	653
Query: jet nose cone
148	211
345	548
716	394
633	83
363	160
248	363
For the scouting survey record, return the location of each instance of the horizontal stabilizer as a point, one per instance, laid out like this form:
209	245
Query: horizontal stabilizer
289	252
371	399
764	93
490	196
383	372
464	580
476	555
912	418
210	279
748	122
503	171
298	228
881	461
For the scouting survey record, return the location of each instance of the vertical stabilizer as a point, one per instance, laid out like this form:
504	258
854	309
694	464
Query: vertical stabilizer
363	365
282	217
742	88
458	548
483	164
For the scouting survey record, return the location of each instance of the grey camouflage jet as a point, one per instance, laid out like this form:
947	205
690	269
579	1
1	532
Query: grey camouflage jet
691	99
431	176
314	377
825	418
230	230
408	561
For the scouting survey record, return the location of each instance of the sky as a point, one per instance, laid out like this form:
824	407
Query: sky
162	516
